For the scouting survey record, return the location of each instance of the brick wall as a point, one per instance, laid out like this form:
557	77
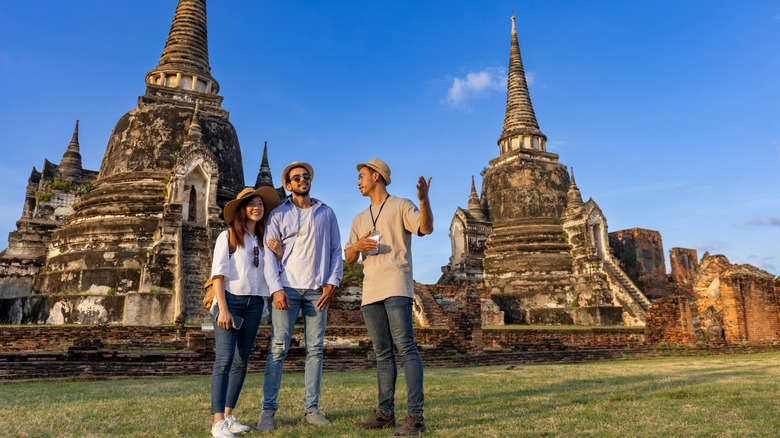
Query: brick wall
755	306
670	320
585	338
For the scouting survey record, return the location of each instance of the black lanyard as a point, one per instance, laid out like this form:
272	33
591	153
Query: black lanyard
380	211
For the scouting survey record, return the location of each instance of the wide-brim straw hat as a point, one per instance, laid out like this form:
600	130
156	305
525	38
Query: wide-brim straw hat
292	166
270	201
378	165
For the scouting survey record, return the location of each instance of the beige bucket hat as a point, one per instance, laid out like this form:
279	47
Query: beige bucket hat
378	165
270	201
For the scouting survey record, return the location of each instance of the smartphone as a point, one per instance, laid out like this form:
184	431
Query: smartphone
237	322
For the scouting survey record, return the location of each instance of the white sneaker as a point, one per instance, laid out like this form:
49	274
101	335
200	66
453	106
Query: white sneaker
220	429
235	426
315	417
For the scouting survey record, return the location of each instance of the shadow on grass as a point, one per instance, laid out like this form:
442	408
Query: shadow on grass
565	394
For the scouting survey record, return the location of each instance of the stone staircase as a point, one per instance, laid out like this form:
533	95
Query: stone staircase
634	302
196	267
427	312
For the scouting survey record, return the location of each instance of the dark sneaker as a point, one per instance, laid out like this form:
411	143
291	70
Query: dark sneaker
377	420
266	420
412	426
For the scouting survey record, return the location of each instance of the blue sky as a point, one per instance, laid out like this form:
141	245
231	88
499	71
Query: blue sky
668	111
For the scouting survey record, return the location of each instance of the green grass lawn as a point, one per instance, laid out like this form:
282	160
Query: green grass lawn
725	396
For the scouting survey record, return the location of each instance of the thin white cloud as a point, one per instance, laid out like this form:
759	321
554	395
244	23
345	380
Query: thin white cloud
475	85
710	245
769	267
530	78
770	220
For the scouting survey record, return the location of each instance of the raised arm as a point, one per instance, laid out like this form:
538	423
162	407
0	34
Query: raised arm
426	215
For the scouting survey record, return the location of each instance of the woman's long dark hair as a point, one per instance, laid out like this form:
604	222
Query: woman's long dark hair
239	225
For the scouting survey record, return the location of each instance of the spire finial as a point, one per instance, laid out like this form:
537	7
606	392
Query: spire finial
264	163
184	63
474	206
70	165
264	177
194	133
74	141
573	197
521	130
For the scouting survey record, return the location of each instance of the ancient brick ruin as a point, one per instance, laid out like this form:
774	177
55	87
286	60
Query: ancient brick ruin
726	303
139	232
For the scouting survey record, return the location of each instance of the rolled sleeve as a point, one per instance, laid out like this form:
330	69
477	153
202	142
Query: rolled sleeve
220	264
411	215
336	262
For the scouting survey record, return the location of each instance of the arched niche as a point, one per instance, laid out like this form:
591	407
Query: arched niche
194	199
458	239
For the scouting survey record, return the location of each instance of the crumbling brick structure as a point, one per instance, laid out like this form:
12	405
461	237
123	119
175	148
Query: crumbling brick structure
641	255
685	266
739	301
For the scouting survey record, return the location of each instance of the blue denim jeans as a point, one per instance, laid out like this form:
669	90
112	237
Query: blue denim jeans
389	322
282	324
233	348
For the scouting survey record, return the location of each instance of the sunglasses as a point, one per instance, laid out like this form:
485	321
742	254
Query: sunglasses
256	259
298	178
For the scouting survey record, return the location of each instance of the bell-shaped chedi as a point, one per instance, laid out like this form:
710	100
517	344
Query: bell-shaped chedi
123	234
528	262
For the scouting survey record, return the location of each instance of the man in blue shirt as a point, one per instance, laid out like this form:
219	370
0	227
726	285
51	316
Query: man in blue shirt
304	279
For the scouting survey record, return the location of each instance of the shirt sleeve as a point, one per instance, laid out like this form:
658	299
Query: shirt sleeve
353	234
411	216
270	264
336	262
220	264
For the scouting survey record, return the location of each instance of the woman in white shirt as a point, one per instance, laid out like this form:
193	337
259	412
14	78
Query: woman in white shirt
240	290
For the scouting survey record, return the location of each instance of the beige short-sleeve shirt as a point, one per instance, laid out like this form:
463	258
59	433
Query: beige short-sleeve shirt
388	273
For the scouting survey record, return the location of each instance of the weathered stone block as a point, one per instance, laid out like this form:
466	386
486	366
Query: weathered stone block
551	316
149	309
601	315
85	309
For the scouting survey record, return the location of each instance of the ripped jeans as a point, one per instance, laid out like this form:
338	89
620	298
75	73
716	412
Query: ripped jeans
282	325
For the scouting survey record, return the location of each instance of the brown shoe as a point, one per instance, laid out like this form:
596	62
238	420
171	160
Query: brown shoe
412	426
377	420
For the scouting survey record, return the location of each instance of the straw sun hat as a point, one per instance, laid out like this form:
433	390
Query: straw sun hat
378	165
270	201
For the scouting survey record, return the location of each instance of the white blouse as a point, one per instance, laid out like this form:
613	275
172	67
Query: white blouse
242	276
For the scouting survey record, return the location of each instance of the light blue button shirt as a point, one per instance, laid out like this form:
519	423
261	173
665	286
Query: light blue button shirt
284	221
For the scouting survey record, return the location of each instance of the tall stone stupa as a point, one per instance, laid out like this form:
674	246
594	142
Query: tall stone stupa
141	233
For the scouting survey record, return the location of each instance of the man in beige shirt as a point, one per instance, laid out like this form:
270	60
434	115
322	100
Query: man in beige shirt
383	234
